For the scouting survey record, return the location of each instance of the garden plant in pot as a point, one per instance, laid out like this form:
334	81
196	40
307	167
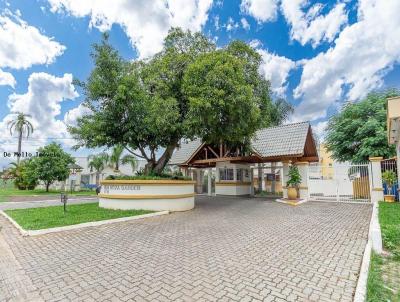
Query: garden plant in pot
294	180
389	177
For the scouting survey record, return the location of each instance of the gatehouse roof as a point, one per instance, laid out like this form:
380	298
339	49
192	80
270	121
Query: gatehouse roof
291	141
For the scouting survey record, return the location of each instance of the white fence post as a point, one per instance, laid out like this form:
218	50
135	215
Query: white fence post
303	170
285	171
252	182
376	179
209	182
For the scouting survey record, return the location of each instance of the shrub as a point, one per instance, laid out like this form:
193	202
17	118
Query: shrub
152	176
389	177
23	175
294	177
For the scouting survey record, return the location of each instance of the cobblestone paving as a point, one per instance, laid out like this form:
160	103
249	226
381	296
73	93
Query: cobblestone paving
227	249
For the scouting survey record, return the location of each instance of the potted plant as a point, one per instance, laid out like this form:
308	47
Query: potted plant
389	177
294	180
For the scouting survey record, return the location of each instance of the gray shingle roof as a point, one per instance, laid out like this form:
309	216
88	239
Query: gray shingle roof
282	140
184	152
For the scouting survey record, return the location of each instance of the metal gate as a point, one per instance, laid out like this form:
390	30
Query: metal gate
340	182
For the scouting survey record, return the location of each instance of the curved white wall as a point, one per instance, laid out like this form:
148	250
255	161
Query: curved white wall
156	195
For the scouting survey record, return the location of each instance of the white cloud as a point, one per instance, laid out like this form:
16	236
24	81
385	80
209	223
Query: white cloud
276	69
312	26
43	102
145	22
319	129
231	24
255	43
261	10
71	117
245	24
22	45
308	26
7	78
363	54
216	22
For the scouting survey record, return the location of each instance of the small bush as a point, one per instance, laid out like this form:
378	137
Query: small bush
294	177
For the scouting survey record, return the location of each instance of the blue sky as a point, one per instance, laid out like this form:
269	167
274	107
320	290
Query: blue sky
317	55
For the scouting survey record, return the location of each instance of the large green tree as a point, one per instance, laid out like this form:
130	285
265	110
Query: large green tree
188	90
358	131
51	164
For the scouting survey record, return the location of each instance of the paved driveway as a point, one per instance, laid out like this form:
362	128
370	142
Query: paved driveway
227	249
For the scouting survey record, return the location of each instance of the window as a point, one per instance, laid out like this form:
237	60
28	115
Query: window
225	174
239	174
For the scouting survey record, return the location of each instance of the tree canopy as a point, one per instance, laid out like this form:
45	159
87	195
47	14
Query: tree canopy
188	90
50	165
359	130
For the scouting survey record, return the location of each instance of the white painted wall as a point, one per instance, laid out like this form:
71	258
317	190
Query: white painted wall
233	190
140	195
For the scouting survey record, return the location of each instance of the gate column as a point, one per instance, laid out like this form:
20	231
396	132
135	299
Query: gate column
285	172
209	182
376	179
303	169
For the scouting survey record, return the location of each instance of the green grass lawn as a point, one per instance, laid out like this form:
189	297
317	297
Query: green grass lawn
376	290
50	217
389	219
384	274
8	190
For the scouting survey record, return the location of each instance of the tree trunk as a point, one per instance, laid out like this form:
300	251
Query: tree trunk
162	162
47	186
97	178
19	145
149	167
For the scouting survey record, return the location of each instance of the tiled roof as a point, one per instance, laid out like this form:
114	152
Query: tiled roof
184	152
282	140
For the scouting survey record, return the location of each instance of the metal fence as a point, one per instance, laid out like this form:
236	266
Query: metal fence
340	182
390	165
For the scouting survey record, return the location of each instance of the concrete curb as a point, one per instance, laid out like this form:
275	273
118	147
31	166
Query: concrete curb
80	225
281	200
361	288
50	200
374	243
341	202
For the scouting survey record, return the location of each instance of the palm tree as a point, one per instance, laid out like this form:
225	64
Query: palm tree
115	158
280	112
20	124
131	160
98	162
